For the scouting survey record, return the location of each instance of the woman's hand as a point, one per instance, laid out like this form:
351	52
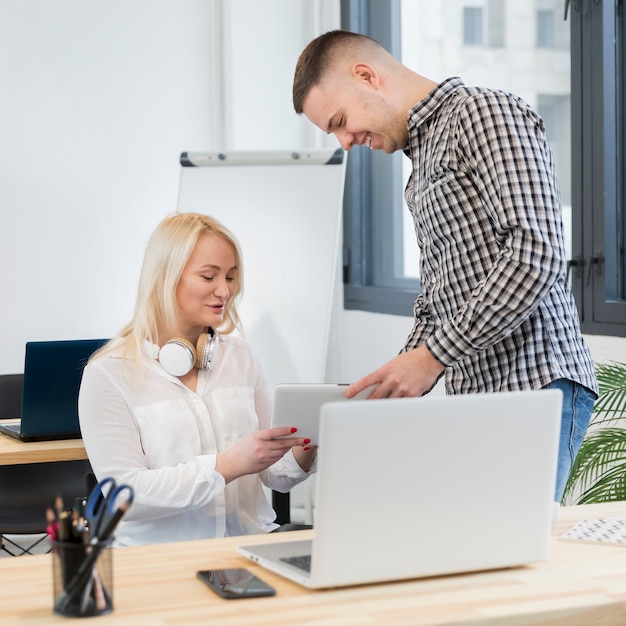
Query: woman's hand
260	449
305	456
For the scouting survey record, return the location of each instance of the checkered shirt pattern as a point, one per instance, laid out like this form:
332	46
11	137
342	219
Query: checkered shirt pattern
495	307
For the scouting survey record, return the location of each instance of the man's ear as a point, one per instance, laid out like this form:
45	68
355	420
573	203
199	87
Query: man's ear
366	73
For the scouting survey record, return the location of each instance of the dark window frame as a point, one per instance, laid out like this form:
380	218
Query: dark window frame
374	181
598	141
374	193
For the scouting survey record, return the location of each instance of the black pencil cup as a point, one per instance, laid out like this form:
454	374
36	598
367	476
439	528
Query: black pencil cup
82	578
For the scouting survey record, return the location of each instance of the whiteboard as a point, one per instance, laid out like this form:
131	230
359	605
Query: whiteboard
284	207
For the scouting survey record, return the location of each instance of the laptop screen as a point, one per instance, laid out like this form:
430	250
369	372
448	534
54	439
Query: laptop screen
52	374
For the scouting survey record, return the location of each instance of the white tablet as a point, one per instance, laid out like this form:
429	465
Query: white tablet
299	404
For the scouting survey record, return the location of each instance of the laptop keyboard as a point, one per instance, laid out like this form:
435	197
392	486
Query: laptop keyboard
14	428
302	562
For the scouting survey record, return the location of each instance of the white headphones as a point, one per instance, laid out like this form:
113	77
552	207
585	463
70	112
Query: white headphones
178	356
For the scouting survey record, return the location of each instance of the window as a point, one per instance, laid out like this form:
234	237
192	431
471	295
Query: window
586	131
482	21
473	26
556	113
546	30
598	188
374	275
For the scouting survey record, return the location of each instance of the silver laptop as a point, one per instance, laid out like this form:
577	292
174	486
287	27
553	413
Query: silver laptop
298	405
408	488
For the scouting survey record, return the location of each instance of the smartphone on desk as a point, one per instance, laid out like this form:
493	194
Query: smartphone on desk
234	583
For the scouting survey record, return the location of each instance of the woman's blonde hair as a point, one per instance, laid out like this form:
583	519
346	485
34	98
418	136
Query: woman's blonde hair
169	248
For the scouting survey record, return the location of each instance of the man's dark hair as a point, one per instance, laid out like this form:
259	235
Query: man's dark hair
316	59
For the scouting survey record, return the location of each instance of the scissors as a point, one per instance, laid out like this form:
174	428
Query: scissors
106	505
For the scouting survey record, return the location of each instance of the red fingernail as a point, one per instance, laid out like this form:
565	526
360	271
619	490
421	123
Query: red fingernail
306	448
293	430
305	441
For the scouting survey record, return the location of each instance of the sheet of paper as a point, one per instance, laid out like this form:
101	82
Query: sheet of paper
612	530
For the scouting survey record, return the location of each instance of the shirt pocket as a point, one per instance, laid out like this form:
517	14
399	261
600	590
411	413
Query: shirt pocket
169	432
235	413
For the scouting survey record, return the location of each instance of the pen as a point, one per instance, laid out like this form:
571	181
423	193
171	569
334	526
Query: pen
58	505
114	520
52	527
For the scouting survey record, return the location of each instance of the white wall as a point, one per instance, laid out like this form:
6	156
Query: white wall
605	349
98	100
261	43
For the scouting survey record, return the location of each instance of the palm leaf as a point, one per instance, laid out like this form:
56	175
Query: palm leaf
599	470
610	488
611	403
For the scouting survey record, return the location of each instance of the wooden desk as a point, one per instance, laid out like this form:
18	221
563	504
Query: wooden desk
580	585
14	452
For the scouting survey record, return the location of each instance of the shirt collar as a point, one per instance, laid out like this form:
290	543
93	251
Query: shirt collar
151	350
426	107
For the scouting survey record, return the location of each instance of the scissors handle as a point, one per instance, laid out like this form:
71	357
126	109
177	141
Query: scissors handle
118	510
97	504
103	507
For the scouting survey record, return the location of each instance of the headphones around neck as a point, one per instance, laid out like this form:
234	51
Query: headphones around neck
178	356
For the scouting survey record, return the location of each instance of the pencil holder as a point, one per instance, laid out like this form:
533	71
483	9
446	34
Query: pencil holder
82	578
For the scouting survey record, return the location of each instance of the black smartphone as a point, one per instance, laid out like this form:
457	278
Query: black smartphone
235	583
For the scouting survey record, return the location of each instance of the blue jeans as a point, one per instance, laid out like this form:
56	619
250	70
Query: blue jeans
578	404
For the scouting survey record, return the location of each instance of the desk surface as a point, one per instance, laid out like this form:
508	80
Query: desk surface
580	585
14	452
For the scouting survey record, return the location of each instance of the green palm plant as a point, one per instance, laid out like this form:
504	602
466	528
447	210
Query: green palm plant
599	471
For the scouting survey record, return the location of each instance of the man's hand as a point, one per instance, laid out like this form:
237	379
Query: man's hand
409	374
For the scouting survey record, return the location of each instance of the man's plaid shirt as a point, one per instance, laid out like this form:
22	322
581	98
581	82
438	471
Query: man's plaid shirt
495	307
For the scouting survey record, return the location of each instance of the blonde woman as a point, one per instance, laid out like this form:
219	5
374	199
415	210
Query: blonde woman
177	405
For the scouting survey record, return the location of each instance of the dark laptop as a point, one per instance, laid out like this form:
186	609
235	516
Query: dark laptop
52	375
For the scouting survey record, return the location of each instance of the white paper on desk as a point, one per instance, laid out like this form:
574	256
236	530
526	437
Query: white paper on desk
611	530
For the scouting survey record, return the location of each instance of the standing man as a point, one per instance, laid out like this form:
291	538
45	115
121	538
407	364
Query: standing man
495	312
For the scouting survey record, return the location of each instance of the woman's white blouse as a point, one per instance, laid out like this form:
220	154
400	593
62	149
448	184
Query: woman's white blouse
162	439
